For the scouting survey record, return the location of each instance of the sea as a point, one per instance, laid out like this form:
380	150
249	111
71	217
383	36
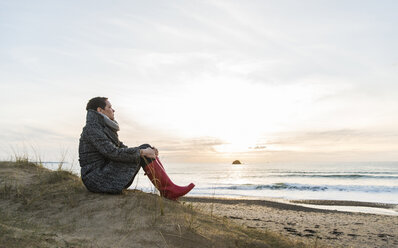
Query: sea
352	181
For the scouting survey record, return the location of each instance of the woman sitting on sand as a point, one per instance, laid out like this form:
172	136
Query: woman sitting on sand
109	166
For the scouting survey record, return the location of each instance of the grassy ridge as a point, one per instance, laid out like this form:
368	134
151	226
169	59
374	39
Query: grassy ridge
43	208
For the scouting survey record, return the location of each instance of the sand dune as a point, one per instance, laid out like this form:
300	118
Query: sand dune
42	208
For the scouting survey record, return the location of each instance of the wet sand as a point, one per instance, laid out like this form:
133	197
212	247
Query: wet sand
334	228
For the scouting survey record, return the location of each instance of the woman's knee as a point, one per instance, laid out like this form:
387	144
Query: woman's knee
143	146
146	160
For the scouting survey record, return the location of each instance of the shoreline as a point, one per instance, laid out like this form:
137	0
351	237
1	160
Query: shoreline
347	203
321	206
307	223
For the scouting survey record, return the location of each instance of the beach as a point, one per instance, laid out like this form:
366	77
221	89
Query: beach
329	227
43	208
311	222
340	205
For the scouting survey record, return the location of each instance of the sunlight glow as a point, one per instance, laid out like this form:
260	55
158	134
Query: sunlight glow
236	112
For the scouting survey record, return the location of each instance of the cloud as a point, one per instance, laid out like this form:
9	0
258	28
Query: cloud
341	140
258	147
187	69
25	133
198	145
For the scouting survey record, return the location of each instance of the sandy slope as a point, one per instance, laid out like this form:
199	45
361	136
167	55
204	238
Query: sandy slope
40	208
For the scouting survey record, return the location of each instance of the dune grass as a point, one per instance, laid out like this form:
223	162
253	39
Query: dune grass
43	208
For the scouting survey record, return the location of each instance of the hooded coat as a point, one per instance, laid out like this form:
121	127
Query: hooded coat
107	165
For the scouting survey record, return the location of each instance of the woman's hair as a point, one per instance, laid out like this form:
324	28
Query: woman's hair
96	102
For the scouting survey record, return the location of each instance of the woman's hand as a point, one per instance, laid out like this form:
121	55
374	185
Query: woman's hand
156	151
149	152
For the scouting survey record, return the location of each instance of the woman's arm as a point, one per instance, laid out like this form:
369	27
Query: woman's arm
104	146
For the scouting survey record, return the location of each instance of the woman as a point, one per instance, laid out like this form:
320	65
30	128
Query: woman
109	166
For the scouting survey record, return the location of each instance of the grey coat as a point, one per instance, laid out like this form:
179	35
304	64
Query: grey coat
107	165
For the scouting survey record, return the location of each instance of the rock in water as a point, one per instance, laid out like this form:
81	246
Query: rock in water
236	162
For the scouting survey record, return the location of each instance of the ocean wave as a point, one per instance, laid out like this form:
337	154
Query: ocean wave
335	172
313	175
305	187
348	176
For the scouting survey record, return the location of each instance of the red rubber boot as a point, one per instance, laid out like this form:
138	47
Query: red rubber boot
160	163
162	182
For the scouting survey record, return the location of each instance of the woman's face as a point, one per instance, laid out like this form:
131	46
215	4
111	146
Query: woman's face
108	111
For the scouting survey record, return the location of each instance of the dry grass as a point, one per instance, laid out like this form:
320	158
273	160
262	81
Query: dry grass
43	208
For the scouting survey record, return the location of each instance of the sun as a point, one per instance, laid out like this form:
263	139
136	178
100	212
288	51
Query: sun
239	142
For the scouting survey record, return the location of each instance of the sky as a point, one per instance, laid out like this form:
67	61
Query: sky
204	81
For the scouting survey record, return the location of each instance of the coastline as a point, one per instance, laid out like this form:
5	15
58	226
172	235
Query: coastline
292	204
318	205
347	203
308	222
